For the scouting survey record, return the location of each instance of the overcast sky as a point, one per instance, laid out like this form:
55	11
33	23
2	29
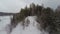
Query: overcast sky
15	5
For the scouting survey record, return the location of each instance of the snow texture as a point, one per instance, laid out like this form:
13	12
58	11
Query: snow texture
31	29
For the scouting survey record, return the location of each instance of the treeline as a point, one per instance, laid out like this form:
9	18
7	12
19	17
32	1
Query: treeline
48	18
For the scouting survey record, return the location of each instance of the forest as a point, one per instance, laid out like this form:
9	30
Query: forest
48	18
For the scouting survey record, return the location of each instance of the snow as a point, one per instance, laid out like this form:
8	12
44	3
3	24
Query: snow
31	29
4	21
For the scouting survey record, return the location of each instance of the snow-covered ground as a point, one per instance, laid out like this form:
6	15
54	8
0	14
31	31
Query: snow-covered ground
4	20
31	29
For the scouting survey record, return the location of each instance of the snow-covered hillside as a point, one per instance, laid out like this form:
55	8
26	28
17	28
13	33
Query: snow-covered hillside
30	29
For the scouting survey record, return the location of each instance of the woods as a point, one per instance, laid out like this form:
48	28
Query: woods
48	18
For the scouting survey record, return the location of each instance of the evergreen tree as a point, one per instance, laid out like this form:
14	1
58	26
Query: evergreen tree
46	17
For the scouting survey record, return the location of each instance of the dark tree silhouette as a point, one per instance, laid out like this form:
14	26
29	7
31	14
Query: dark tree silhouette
46	17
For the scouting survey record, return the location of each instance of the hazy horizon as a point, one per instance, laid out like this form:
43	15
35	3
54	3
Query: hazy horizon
14	6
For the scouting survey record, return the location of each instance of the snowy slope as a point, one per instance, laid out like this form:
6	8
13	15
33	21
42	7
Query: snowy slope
31	29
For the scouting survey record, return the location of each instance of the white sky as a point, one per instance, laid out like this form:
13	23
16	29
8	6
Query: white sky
15	5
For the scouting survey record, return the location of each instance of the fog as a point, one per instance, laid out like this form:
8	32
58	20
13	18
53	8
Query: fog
14	6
